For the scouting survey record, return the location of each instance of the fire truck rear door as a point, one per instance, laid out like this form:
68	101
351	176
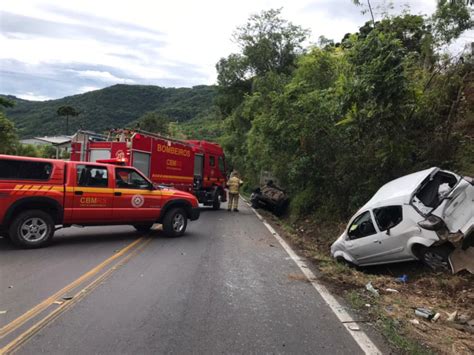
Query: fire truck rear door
135	199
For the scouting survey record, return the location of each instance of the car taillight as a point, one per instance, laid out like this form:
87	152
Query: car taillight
432	223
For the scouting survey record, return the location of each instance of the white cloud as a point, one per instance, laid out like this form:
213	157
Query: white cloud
102	76
84	89
155	42
33	97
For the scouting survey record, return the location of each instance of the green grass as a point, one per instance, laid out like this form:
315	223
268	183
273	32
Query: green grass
355	300
393	332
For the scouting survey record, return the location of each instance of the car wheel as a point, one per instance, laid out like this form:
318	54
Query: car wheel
436	258
32	229
143	227
175	222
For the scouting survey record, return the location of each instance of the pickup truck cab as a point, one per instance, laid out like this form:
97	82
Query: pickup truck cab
39	196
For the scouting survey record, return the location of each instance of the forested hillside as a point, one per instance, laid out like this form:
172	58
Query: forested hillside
115	106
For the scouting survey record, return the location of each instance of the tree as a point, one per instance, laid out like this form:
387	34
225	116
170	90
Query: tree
268	43
358	3
6	103
451	19
67	111
154	122
8	138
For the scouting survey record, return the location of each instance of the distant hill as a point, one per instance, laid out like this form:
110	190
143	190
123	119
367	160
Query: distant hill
112	107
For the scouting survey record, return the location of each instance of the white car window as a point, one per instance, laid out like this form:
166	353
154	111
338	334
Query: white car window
388	217
362	226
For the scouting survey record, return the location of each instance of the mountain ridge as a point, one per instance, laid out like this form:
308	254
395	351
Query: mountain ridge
111	107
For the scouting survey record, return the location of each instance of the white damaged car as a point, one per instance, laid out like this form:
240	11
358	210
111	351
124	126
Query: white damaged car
427	215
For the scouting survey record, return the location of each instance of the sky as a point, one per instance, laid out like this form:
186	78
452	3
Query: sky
55	48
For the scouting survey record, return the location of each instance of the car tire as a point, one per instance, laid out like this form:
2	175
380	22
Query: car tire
143	227
436	258
32	229
175	222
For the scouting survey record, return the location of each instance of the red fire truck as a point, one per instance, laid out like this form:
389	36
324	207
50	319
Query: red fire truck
189	165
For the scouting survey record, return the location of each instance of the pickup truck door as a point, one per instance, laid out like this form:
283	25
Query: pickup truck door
91	193
135	198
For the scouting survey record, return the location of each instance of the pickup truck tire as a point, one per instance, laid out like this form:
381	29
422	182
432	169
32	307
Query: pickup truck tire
175	222
32	229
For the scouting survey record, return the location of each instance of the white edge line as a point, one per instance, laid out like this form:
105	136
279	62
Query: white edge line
359	336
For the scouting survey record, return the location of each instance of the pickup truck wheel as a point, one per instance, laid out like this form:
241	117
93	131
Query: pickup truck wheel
436	258
143	227
32	229
175	222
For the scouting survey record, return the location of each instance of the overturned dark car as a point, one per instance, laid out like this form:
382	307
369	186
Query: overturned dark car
271	198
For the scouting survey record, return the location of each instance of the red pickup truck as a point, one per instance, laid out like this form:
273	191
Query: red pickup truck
39	196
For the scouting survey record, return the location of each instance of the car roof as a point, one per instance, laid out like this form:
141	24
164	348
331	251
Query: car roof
398	191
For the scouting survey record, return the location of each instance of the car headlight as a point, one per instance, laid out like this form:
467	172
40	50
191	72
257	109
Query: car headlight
432	223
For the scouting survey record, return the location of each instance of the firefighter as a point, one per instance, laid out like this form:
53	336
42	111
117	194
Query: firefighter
234	184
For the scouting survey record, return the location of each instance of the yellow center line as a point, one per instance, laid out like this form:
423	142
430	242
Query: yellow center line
29	333
18	322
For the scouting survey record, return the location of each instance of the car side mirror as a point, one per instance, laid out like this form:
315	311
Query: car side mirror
388	231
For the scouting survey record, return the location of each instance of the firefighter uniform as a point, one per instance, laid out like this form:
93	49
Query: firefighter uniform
234	184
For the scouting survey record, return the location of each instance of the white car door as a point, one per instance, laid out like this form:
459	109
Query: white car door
397	229
381	242
365	242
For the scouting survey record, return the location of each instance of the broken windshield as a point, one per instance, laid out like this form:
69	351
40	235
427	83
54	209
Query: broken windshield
433	190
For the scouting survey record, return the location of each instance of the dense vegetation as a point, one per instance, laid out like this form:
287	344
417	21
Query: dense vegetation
336	121
112	107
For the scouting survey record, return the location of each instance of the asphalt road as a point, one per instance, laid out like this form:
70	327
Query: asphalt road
225	287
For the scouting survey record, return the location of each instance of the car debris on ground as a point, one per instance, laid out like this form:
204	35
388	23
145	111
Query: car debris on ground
371	289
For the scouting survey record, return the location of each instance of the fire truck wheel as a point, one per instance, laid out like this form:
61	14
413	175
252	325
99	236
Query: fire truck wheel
216	204
32	229
175	222
143	227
